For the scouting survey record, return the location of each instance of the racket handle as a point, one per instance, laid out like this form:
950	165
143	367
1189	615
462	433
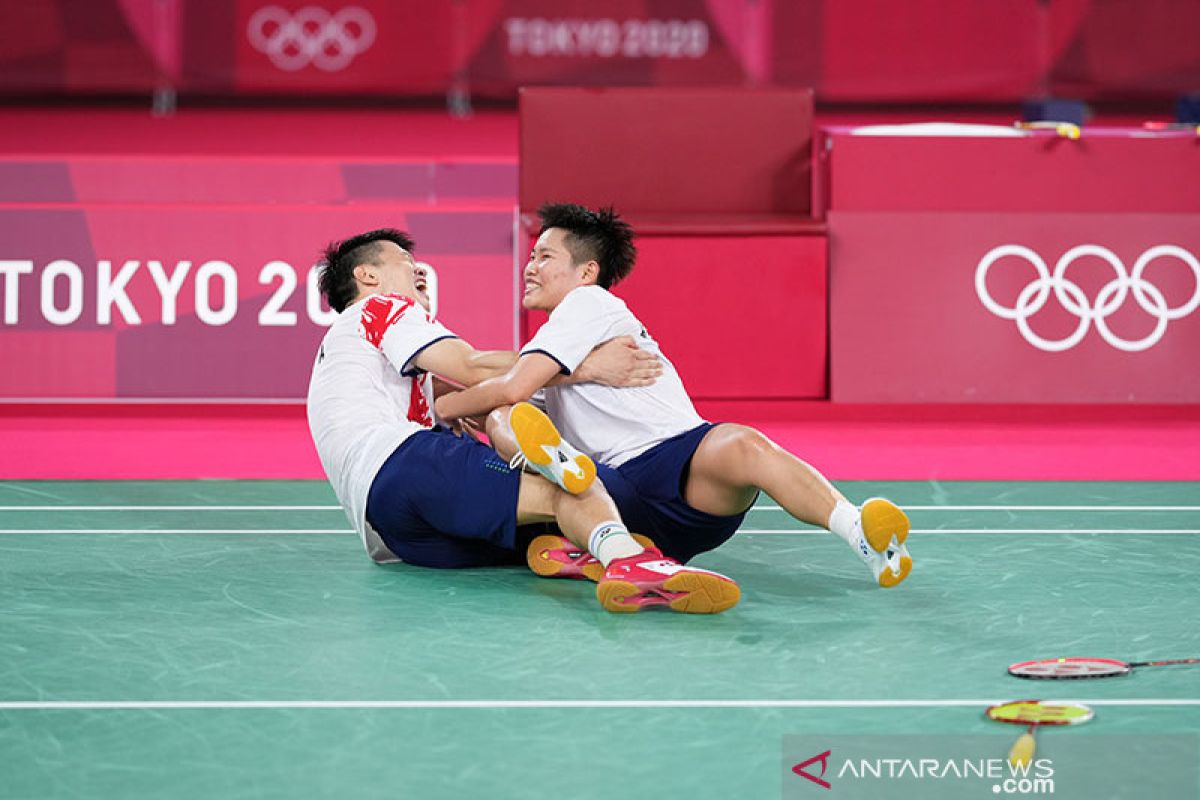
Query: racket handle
1022	752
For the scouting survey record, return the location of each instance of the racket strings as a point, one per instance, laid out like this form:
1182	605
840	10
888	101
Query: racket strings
1036	713
1069	668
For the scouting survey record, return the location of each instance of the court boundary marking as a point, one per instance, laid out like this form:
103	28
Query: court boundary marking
135	705
741	532
769	507
1100	508
926	531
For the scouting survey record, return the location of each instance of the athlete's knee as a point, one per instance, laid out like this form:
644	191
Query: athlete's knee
742	444
497	422
594	493
583	509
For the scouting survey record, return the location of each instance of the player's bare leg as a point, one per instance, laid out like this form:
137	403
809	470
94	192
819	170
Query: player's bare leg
500	433
733	462
577	515
548	555
633	577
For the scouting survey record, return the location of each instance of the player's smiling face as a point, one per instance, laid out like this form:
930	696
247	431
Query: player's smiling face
551	272
391	272
421	285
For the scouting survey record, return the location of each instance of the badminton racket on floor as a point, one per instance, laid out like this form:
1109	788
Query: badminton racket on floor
1066	130
1064	669
1033	713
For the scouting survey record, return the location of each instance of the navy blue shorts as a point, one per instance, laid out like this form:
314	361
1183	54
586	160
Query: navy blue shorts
648	491
445	501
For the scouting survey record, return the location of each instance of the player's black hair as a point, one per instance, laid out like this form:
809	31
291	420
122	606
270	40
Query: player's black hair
599	235
338	260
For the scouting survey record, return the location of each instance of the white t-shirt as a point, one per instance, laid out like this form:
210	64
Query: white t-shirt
612	425
366	397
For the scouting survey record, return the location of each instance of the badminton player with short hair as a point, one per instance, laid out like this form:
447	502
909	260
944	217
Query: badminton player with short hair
684	482
419	493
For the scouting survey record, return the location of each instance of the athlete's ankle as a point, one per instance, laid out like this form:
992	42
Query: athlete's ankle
610	541
843	521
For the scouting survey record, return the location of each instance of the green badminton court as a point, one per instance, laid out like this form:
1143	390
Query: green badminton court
223	639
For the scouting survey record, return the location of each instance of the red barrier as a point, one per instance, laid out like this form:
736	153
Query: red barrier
194	180
1014	270
740	317
670	153
1124	49
861	50
381	47
1107	170
731	275
100	46
513	43
848	50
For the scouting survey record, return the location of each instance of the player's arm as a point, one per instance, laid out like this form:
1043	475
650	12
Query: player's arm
457	361
410	340
618	362
442	387
531	372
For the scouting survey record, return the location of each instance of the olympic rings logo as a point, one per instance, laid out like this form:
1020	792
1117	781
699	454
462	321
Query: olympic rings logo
311	36
1110	297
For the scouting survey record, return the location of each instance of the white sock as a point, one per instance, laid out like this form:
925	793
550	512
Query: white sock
610	540
844	521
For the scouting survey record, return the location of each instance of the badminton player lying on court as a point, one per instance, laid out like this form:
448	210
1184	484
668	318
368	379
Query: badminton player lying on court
421	494
684	482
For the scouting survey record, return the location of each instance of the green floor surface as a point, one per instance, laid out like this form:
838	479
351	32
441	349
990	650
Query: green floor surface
285	664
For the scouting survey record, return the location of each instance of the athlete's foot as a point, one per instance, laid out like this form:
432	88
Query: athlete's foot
883	529
543	449
648	579
553	556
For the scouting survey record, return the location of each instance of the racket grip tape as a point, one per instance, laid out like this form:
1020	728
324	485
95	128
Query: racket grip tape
1022	752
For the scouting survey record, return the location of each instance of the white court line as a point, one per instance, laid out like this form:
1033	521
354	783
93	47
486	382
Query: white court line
923	531
1022	508
755	508
752	531
170	508
73	705
176	530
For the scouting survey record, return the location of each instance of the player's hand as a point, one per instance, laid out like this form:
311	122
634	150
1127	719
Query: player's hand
620	362
439	407
464	426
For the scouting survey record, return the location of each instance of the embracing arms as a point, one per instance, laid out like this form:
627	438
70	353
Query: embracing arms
618	362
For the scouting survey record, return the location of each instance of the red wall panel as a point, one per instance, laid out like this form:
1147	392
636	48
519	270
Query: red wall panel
848	50
678	151
740	317
1014	270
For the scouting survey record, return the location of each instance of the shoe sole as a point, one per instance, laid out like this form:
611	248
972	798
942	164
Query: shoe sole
537	556
533	431
888	579
698	593
883	521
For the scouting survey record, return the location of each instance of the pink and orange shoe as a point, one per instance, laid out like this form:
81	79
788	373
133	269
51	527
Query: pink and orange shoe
649	579
553	556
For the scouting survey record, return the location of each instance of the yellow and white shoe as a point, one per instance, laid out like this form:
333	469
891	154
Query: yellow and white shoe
884	528
543	449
